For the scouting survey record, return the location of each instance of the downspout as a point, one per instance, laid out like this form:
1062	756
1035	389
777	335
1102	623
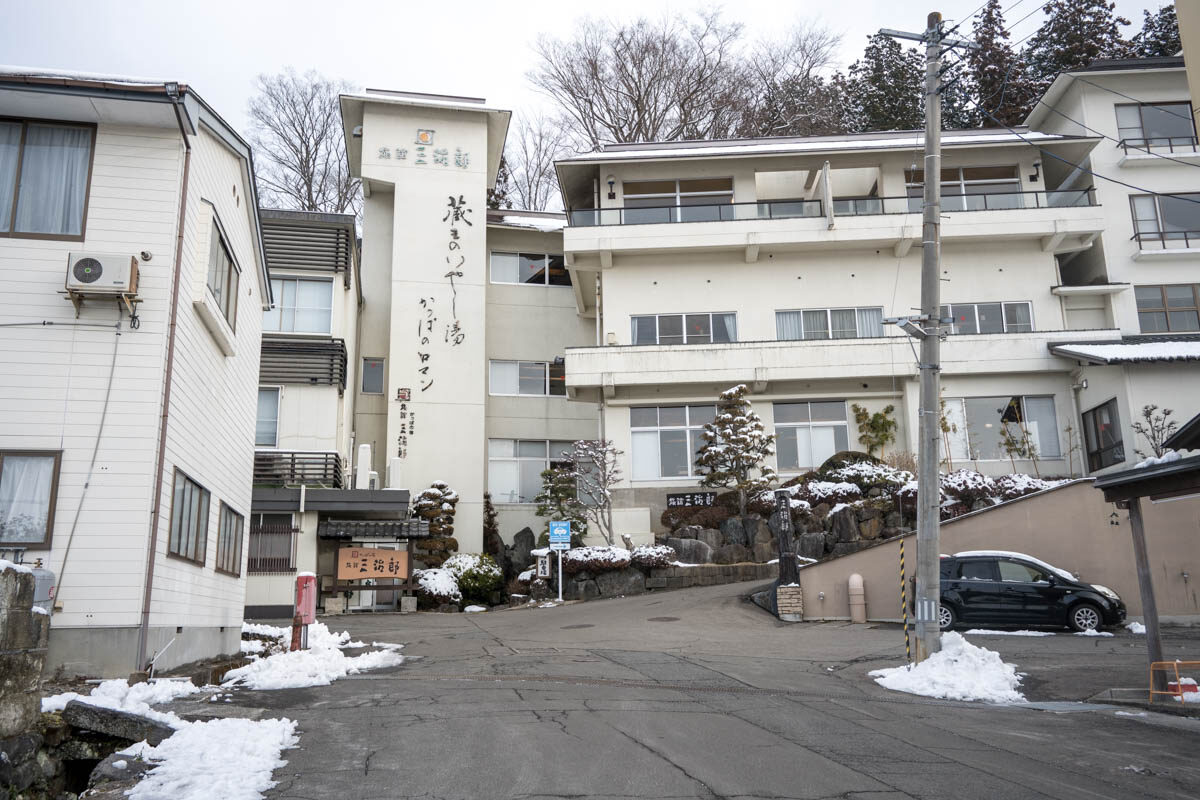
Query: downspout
603	437
1077	386
161	457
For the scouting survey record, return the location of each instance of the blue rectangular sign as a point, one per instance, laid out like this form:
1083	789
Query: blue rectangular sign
560	535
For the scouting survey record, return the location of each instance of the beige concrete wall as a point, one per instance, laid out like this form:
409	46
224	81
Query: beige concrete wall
1069	527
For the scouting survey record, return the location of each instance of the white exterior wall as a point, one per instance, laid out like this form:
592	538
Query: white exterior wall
370	411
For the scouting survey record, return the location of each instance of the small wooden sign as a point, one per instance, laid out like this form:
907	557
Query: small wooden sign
356	563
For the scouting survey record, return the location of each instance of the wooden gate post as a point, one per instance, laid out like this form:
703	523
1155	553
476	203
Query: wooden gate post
788	570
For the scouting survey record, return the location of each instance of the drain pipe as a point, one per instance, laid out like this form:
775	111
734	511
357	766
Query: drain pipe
1078	383
161	457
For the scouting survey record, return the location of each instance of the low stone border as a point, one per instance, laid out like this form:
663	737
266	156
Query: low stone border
709	575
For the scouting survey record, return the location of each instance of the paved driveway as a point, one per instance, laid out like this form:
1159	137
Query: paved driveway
698	694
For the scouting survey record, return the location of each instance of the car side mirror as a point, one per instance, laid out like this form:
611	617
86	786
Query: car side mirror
1052	580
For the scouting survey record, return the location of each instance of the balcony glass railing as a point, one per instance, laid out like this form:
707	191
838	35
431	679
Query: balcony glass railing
842	207
1159	144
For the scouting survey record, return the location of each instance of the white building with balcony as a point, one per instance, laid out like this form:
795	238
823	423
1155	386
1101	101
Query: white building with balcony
136	283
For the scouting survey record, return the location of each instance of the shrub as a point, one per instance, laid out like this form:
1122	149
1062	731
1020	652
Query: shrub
902	459
711	517
675	518
867	475
477	576
967	486
594	559
1010	487
649	556
437	586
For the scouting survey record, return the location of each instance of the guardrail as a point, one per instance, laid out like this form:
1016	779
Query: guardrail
293	468
1166	240
1173	144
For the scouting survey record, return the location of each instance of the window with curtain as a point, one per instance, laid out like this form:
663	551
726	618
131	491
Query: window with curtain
685	328
981	424
1102	436
515	466
28	492
527	378
990	317
229	541
301	306
1164	309
829	323
189	520
223	276
266	426
54	162
808	433
666	440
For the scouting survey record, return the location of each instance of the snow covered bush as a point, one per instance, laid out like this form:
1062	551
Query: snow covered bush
968	487
595	559
736	446
1010	487
436	504
477	576
437	586
650	556
868	474
830	492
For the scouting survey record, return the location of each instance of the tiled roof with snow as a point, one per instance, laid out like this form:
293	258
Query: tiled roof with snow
1130	351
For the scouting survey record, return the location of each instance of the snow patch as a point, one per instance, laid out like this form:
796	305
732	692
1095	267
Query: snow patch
987	632
1166	458
1093	633
959	671
1136	628
136	699
474	609
6	564
320	665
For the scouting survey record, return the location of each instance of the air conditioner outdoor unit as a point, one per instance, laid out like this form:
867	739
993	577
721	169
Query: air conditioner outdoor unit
102	273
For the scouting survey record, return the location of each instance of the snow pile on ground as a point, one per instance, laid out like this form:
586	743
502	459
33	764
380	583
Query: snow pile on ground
1093	633
986	632
221	759
136	699
320	665
439	583
474	609
1136	627
595	559
1188	695
959	671
254	646
1166	458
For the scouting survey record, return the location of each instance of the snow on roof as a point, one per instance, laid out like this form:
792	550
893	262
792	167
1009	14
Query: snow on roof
1123	352
781	145
414	99
539	222
8	70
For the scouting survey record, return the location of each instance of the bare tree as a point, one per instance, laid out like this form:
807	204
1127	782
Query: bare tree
1156	429
786	94
537	142
644	81
300	152
595	471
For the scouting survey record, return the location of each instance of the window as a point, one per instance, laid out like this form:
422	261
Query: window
301	306
1166	220
1155	124
969	188
372	376
266	426
981	423
28	492
977	570
537	269
829	323
229	541
1018	572
533	378
271	546
189	520
806	434
223	276
696	200
990	317
515	467
54	164
685	329
666	440
1162	309
1102	436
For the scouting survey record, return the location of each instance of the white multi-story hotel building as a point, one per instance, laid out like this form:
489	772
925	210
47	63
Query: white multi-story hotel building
136	283
687	267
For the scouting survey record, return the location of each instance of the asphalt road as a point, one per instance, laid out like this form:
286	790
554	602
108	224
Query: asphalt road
696	693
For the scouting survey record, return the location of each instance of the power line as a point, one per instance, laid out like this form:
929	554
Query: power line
1131	99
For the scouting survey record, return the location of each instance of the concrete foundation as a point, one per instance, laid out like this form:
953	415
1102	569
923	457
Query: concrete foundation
110	652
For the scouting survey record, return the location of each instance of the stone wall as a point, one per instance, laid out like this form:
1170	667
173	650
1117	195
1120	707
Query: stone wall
23	636
709	575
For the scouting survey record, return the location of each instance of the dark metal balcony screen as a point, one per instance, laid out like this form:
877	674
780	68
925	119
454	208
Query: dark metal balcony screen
287	468
308	247
271	548
316	362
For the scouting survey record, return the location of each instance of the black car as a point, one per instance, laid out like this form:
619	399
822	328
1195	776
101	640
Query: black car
1001	588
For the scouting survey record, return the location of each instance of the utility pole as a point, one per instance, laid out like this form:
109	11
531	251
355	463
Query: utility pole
927	328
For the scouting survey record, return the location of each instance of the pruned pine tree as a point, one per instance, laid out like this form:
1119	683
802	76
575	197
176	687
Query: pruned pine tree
559	500
1159	35
436	504
1074	34
736	446
998	72
886	86
593	466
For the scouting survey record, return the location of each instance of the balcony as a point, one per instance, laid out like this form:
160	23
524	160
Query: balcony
297	468
1062	220
592	371
1153	245
303	361
1150	152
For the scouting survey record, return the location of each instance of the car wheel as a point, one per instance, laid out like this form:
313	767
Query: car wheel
1084	617
946	617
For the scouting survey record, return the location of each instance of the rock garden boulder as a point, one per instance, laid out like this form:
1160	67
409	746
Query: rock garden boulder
621	582
810	545
844	525
691	551
119	724
733	531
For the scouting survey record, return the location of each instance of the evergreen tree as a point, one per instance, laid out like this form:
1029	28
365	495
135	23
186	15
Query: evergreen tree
1160	34
436	504
736	447
1075	33
997	71
498	196
959	92
886	86
559	500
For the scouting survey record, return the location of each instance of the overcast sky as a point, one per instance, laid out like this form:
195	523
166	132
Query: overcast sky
467	47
